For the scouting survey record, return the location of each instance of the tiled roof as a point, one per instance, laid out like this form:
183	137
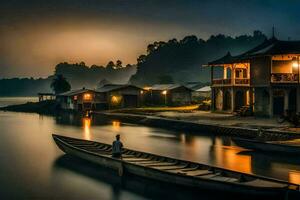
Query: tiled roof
268	47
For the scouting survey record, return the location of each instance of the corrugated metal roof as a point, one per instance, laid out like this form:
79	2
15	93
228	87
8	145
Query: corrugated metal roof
166	86
74	92
194	85
111	87
204	89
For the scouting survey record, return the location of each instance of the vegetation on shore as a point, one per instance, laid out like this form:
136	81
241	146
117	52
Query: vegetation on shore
48	107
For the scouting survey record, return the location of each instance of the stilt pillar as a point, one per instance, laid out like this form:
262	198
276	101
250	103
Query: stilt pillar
271	102
232	99
286	100
298	99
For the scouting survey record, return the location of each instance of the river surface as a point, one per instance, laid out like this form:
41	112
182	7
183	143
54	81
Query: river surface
32	167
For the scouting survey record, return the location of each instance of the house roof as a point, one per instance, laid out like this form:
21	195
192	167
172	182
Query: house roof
112	87
204	89
271	46
74	92
194	85
227	59
274	46
166	86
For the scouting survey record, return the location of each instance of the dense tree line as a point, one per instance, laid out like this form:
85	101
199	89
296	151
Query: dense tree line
78	75
24	86
182	60
164	62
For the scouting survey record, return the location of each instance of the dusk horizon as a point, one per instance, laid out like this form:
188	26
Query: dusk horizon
35	36
150	99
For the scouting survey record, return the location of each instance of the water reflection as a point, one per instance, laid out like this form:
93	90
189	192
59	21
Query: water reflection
116	125
26	141
141	187
87	127
294	177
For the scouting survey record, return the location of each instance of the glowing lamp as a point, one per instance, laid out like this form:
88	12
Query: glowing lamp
295	63
114	99
142	92
87	96
164	92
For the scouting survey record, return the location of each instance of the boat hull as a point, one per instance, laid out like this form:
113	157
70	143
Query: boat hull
124	167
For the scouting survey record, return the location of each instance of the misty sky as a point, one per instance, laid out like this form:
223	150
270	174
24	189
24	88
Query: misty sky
35	35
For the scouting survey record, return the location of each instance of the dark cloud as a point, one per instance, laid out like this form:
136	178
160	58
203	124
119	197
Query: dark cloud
36	34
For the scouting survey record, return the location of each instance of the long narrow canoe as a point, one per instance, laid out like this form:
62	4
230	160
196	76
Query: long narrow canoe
175	171
274	146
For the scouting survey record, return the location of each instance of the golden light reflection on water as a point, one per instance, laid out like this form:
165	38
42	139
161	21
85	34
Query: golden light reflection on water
227	157
87	128
183	138
116	125
294	177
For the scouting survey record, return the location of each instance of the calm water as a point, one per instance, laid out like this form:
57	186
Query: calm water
31	166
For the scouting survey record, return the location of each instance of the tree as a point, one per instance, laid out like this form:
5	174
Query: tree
118	64
165	79
110	65
59	84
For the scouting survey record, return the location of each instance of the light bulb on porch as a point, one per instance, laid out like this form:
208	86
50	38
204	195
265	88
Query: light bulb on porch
295	65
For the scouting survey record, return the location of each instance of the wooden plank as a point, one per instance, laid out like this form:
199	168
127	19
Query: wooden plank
134	159
263	183
169	167
160	164
148	162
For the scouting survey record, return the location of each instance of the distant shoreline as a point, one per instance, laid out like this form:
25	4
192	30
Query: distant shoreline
48	107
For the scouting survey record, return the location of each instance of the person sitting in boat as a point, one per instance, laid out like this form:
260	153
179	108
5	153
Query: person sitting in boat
117	146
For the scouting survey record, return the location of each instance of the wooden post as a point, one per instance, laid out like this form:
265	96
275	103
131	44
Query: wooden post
270	102
232	99
298	99
286	99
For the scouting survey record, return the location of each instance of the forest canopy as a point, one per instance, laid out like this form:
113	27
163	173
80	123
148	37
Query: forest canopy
175	61
182	60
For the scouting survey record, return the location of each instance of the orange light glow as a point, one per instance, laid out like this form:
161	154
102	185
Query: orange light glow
164	92
116	125
294	177
147	88
87	127
227	157
87	97
295	65
115	99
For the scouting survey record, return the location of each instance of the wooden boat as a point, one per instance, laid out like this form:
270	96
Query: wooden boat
175	171
273	146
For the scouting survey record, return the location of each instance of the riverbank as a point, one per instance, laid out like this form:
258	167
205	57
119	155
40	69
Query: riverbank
186	118
48	107
206	122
